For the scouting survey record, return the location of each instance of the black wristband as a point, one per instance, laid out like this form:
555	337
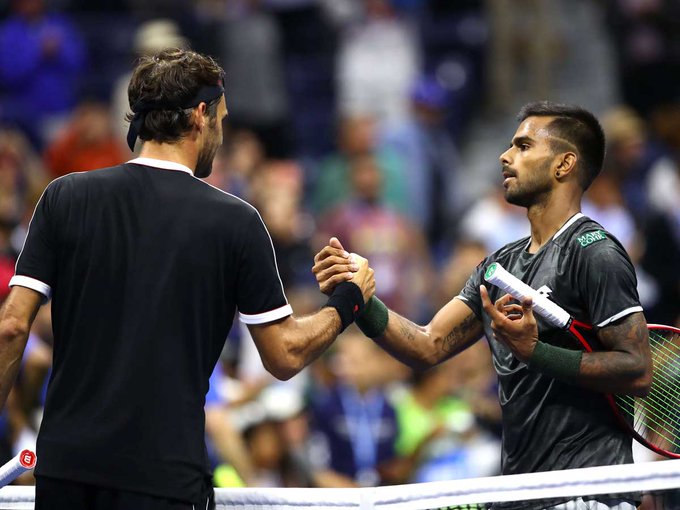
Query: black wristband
348	300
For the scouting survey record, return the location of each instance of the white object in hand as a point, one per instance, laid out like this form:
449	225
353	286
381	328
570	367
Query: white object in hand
24	461
500	277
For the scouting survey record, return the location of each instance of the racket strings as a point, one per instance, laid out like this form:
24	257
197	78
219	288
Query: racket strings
658	409
657	414
643	424
664	390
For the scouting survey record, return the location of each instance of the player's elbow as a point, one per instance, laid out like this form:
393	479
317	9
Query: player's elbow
282	373
641	378
284	366
642	384
12	329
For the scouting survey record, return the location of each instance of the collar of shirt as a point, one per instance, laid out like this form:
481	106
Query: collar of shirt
162	164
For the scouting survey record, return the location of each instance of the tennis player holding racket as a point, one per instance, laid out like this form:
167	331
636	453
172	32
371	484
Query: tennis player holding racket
555	415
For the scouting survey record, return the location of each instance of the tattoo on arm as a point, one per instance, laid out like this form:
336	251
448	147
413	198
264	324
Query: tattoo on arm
407	329
627	336
461	334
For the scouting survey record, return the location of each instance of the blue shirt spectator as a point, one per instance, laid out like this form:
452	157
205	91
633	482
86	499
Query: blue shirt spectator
41	57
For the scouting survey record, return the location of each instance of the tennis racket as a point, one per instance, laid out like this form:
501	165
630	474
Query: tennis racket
655	418
24	461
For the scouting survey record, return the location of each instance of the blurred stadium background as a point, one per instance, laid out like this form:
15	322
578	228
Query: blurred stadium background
380	121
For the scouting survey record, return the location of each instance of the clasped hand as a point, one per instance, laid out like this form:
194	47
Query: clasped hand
513	325
333	265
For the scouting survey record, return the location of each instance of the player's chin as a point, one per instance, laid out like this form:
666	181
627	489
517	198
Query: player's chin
512	196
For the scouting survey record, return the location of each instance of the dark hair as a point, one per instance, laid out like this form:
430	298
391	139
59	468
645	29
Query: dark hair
577	126
172	76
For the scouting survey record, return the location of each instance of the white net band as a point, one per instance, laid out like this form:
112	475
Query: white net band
606	480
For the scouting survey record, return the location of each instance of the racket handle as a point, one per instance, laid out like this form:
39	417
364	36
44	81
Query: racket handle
550	311
23	462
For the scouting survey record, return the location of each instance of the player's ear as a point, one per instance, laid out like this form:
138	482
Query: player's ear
566	164
198	116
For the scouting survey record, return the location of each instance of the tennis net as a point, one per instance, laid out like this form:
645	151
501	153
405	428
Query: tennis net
653	486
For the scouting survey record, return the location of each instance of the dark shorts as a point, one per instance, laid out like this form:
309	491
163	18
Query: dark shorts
53	494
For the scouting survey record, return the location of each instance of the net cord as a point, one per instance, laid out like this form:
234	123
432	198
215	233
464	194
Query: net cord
648	477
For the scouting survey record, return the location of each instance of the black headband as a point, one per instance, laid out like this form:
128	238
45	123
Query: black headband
206	94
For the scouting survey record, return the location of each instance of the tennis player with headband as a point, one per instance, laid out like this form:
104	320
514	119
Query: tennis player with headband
146	265
554	415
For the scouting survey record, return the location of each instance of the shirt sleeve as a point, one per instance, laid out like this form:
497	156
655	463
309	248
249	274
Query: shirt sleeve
470	293
607	282
260	296
36	267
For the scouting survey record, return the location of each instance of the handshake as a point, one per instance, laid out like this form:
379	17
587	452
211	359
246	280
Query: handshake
333	266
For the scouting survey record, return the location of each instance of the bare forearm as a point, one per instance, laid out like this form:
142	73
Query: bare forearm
408	342
16	317
13	339
612	372
290	345
624	369
422	347
313	334
229	443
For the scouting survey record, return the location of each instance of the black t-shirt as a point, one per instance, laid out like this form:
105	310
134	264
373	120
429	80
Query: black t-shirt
146	268
549	424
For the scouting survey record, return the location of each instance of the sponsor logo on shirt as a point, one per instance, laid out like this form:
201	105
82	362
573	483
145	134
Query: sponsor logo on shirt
592	237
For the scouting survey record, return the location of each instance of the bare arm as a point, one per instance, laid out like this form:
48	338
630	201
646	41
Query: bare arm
288	345
16	317
626	366
454	328
229	442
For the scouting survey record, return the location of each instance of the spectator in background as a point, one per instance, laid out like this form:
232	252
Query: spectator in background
249	45
662	232
647	39
430	159
22	180
378	60
603	203
236	163
151	37
524	42
397	248
493	221
276	191
439	430
464	256
88	141
353	421
358	136
632	157
230	459
41	59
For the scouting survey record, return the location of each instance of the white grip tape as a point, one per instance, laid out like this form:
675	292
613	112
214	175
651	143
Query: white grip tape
24	461
498	275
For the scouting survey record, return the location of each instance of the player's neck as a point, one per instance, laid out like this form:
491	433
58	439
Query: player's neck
548	217
182	152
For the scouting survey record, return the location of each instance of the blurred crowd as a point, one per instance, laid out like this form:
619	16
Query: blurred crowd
353	118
